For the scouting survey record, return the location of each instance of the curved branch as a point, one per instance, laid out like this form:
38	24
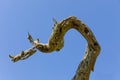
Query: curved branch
56	42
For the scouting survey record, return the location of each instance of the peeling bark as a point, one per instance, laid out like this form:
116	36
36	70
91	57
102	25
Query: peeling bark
56	42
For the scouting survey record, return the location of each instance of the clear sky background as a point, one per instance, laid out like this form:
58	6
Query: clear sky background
18	17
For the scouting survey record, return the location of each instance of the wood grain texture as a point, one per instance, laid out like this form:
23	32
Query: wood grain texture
56	42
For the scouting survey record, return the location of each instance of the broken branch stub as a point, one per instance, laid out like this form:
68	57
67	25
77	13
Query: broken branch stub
56	42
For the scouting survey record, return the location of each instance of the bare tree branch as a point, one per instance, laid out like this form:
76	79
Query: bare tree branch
56	42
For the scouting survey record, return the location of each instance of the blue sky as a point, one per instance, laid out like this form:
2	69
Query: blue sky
18	17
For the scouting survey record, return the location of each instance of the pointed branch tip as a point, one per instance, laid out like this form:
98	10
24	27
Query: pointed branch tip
55	21
30	38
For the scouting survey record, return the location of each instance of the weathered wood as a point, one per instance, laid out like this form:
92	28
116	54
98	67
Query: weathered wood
56	42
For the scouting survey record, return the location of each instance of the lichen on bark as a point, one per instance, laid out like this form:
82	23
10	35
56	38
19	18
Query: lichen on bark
56	42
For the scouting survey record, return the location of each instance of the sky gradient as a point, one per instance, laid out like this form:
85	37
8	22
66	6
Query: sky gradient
18	17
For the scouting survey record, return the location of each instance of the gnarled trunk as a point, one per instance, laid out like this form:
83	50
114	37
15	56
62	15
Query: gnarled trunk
56	42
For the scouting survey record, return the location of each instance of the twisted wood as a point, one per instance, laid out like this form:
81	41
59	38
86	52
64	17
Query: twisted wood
56	42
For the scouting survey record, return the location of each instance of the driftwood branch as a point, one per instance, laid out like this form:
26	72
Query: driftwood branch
56	42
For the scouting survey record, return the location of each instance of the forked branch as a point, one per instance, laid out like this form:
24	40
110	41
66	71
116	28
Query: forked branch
56	42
